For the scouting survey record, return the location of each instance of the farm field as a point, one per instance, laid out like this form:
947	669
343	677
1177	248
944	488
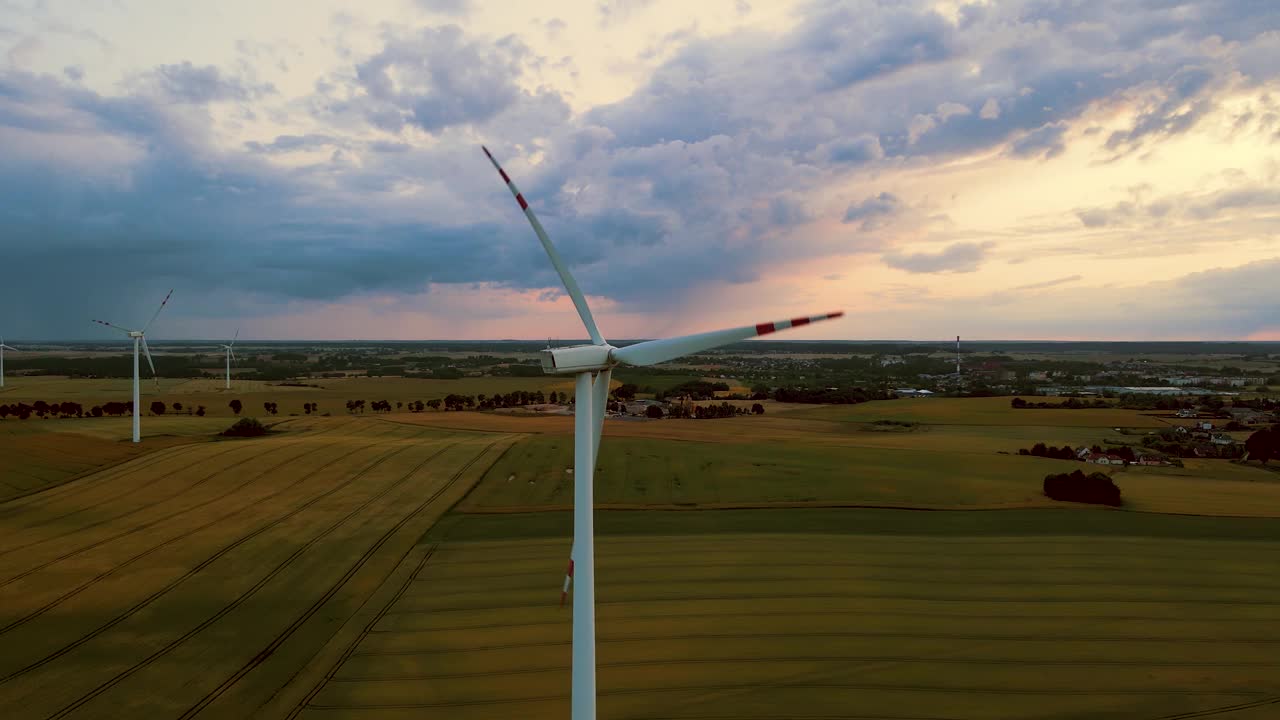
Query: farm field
200	578
331	394
1014	614
409	565
979	411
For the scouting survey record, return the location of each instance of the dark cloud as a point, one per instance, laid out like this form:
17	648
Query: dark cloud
1045	141
959	257
697	177
188	83
294	143
874	212
435	78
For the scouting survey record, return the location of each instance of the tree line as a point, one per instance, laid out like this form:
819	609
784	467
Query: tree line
1070	403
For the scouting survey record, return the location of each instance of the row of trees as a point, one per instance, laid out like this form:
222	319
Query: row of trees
159	408
43	409
1066	452
1070	403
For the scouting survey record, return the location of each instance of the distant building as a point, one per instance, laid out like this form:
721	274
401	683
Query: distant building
913	393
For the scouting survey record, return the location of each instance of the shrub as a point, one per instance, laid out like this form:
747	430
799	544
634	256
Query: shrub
1075	486
245	427
653	411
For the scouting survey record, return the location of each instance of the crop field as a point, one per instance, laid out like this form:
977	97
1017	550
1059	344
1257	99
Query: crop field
330	394
200	578
1029	618
409	565
980	411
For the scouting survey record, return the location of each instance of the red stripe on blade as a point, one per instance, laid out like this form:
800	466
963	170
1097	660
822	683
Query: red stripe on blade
503	173
520	199
797	322
835	315
765	328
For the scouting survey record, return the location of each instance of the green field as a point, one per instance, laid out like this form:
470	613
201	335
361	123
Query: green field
979	411
999	618
410	565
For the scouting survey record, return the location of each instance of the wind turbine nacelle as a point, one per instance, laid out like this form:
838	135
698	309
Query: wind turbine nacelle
581	358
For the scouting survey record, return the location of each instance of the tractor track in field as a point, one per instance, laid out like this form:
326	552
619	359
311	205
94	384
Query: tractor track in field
91	477
332	673
861	613
661	551
192	572
262	582
647	637
140	508
873	687
95	476
170	516
104	575
755	565
856	596
868	579
1275	700
315	607
815	658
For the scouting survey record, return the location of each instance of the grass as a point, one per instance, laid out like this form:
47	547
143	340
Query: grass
319	573
977	622
979	411
331	394
144	590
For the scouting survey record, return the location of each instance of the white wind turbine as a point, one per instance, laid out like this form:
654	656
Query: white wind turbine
4	347
593	365
139	338
231	355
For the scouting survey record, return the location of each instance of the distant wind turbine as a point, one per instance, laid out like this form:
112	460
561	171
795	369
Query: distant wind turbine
593	365
4	347
139	338
231	355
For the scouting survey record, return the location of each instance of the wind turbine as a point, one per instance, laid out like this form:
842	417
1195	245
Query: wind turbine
593	365
139	338
231	354
4	347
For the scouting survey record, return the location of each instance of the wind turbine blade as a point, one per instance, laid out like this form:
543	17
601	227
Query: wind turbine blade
237	335
117	327
147	351
570	285
653	352
599	399
153	317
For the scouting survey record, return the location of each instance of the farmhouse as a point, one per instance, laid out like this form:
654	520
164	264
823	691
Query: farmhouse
1104	459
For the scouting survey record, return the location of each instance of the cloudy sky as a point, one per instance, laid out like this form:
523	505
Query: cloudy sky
1050	169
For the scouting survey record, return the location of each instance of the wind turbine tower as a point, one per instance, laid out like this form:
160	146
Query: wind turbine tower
231	355
139	339
592	365
957	358
4	347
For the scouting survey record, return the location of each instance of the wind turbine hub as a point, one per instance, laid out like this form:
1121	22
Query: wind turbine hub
576	359
135	333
